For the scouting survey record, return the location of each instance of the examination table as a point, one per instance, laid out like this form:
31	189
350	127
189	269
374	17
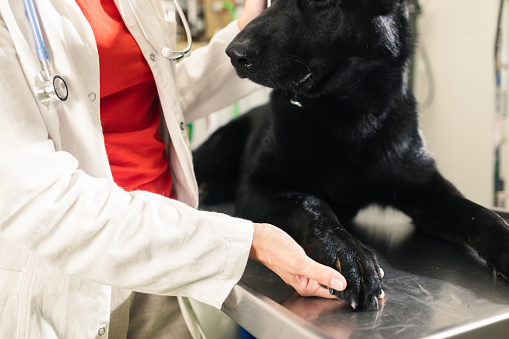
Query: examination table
433	289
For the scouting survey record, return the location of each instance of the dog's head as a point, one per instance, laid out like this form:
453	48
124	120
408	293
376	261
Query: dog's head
320	47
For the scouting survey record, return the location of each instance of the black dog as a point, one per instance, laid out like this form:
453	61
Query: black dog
340	133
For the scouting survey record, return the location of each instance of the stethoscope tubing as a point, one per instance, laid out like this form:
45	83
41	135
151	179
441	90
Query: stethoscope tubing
51	90
42	52
166	52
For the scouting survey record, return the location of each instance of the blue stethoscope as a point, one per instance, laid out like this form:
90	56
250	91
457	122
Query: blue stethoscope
50	89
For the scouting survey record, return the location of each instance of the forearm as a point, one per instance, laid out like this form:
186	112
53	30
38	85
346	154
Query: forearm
252	8
90	228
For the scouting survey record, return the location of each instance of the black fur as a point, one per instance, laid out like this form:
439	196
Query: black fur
340	133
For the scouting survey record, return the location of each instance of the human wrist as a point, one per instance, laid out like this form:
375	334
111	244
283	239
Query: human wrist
242	21
252	8
256	251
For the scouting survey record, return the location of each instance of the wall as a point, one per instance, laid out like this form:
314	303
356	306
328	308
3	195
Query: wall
458	37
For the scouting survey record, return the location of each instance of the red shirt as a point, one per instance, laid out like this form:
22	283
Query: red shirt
130	109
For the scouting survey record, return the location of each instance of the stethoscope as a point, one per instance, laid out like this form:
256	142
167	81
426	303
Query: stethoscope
166	52
51	90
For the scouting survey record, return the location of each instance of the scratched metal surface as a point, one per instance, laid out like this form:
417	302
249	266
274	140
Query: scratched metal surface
433	289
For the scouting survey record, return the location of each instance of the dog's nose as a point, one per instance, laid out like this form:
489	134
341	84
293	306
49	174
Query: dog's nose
239	55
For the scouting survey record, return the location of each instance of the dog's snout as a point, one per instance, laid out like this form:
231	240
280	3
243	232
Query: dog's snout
240	55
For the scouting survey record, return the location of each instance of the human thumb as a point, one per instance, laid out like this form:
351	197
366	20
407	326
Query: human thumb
324	275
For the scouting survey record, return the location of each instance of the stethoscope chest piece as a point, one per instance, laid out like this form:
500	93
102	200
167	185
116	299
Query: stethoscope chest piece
50	92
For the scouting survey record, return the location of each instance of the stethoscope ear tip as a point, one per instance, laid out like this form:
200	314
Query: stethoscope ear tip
168	53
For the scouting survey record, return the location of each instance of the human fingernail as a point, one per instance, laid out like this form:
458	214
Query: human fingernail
336	284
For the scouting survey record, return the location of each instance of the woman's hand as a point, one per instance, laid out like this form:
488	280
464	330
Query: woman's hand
279	252
252	8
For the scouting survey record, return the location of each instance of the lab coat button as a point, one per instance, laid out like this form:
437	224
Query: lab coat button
92	96
182	126
153	57
101	331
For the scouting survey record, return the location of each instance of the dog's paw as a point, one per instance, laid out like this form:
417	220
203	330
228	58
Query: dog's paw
497	257
493	244
360	268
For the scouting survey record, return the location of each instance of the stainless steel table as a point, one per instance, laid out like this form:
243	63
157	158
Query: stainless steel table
433	289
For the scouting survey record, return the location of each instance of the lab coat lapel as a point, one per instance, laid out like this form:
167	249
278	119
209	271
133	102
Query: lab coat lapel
149	16
19	27
75	126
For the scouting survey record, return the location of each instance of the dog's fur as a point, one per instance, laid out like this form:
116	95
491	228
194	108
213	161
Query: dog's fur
340	133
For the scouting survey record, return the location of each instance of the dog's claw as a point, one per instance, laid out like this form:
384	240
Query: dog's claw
494	271
375	303
332	291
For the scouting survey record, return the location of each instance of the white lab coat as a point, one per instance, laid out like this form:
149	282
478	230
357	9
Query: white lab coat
67	232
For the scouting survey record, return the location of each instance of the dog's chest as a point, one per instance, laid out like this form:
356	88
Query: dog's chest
317	138
332	154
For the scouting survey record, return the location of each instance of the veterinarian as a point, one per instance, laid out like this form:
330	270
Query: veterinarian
92	206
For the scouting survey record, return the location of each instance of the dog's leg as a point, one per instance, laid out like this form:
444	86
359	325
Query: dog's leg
312	223
438	207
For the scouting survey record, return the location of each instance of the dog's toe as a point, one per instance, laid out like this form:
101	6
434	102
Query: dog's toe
362	273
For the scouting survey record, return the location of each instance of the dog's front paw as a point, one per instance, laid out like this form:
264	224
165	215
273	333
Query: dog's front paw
495	249
360	268
488	233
